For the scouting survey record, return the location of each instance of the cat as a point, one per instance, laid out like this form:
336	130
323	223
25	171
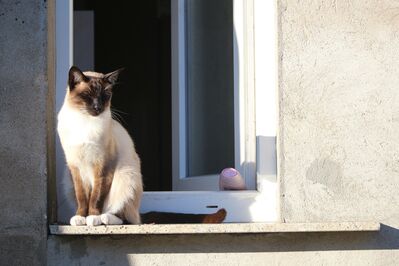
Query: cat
101	157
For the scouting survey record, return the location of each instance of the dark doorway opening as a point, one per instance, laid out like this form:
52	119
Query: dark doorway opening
135	35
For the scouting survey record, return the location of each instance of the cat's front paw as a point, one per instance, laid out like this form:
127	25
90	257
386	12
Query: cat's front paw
108	219
78	220
93	220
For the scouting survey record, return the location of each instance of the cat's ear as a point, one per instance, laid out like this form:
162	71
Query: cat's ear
75	76
113	76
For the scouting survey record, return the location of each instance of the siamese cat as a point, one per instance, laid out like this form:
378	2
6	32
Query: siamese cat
102	159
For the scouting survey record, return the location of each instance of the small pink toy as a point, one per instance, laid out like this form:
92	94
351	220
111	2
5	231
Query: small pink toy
231	179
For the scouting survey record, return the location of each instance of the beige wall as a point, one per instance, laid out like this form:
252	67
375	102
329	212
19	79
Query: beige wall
264	249
338	156
339	110
338	151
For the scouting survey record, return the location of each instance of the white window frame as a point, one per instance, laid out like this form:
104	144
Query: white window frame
244	102
257	205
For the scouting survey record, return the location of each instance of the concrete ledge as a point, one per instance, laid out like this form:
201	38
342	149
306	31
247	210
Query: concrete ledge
228	228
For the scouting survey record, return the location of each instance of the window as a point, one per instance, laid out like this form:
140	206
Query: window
230	124
205	131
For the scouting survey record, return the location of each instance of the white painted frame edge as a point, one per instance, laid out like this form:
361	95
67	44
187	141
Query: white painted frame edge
244	90
244	97
63	61
178	96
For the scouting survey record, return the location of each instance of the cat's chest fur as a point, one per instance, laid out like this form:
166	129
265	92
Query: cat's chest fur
83	137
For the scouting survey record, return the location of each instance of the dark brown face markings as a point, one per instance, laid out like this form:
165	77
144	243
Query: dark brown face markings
91	94
96	96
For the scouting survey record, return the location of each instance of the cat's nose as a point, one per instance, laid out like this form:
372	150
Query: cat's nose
97	107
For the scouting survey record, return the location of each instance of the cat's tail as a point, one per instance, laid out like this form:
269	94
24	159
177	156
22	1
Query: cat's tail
183	218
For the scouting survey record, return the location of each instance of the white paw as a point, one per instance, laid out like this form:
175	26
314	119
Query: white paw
108	218
93	220
78	220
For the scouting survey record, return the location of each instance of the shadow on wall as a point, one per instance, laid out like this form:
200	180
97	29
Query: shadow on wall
122	250
327	173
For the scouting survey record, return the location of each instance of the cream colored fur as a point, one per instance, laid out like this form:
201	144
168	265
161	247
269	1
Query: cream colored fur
83	137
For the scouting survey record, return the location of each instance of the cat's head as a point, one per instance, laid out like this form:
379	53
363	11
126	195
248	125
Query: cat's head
91	92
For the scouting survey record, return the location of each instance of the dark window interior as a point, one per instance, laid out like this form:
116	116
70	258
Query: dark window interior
136	35
210	86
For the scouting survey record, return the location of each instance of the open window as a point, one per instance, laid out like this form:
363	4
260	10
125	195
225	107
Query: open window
189	97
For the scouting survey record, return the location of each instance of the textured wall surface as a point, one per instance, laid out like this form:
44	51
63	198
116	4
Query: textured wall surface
338	160
338	151
339	115
23	91
245	249
339	110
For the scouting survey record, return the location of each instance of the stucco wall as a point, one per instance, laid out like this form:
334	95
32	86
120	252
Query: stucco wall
338	156
338	153
265	249
23	96
339	110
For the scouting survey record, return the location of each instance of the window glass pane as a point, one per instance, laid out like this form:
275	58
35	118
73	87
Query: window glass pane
210	91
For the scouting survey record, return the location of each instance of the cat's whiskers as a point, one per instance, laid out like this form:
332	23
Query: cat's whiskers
117	116
119	111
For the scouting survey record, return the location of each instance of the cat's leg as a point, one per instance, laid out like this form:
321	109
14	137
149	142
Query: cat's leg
81	193
108	218
103	175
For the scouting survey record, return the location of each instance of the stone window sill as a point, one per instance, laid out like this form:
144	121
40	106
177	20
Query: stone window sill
225	228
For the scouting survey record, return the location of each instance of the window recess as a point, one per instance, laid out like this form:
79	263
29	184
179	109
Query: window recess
213	89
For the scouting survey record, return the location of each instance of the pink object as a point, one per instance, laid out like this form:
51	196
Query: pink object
231	179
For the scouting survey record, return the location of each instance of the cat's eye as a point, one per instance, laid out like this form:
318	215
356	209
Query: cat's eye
106	95
86	97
